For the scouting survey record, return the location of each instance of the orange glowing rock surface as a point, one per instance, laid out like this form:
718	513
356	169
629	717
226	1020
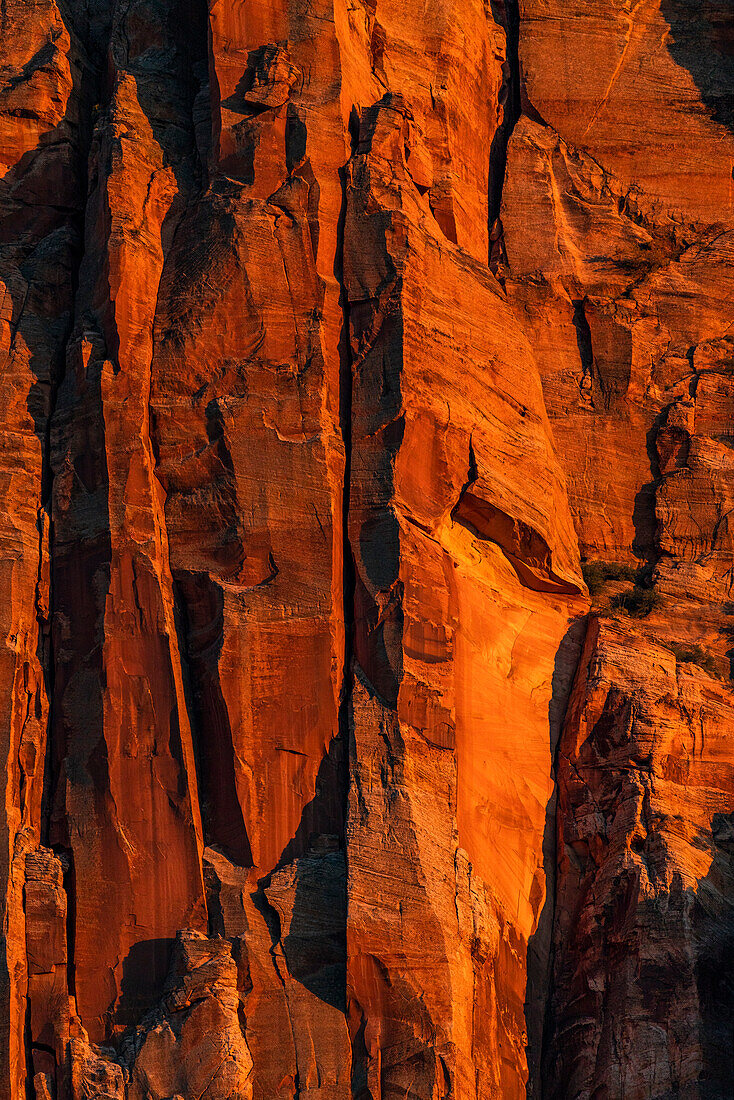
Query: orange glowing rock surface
366	553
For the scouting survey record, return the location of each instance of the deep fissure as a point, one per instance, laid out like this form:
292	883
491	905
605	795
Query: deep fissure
348	565
345	418
506	13
88	91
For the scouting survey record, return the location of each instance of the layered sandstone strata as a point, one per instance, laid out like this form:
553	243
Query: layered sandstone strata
342	345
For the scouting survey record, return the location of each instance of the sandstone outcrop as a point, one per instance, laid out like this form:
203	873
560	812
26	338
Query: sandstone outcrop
641	1001
366	555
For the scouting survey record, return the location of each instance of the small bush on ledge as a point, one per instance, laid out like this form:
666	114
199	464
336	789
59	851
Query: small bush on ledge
638	603
695	655
597	573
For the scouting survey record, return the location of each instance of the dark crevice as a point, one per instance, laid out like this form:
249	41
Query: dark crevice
586	350
272	920
345	421
583	336
94	95
268	912
88	92
506	14
213	895
541	945
46	653
473	471
349	577
646	544
45	1048
199	605
197	599
42	404
182	627
66	858
30	1090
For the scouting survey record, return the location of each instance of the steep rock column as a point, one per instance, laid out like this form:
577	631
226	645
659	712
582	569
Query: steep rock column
246	401
42	105
619	265
46	912
642	994
467	586
125	789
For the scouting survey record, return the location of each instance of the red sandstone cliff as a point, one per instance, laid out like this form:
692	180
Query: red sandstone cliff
366	560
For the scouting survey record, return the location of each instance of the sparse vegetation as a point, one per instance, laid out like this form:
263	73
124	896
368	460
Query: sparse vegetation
695	655
638	603
598	573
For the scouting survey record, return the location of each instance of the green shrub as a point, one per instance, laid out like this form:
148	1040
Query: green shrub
638	603
695	655
597	573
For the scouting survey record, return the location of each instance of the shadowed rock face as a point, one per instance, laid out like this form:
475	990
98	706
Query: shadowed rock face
366	556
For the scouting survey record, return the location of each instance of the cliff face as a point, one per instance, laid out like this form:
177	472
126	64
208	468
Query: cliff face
366	560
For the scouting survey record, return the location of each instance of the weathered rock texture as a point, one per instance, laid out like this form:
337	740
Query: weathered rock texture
366	551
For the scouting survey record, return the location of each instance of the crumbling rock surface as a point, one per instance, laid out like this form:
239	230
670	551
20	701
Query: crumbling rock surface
366	552
642	1000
